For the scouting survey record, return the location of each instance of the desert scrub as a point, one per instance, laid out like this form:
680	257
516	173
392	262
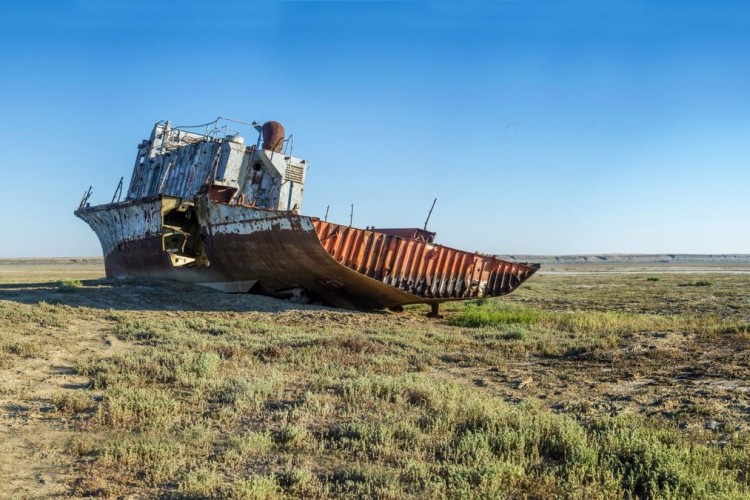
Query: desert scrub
138	408
487	448
413	435
579	330
254	486
742	329
697	283
16	316
68	285
510	328
21	326
155	457
389	436
71	402
251	443
321	404
12	345
190	329
494	314
655	462
183	367
243	394
476	316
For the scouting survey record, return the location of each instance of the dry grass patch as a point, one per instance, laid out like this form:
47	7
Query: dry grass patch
562	389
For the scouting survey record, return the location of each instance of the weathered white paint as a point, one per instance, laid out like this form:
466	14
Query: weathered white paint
179	163
121	223
128	222
236	219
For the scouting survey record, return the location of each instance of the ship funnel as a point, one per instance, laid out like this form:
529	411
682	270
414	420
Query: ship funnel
273	136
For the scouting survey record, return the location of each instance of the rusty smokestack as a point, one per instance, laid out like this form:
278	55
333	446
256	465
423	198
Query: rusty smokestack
273	136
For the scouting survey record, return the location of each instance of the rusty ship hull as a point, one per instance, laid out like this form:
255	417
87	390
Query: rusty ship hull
246	249
219	214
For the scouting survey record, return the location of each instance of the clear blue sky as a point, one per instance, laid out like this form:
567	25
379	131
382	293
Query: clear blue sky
541	127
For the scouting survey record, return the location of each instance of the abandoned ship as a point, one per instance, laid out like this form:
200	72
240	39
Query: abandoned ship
209	209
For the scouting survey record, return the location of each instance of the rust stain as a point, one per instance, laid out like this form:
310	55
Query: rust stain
420	267
273	136
210	210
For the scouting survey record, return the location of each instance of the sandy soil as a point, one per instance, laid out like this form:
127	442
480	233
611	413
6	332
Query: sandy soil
33	436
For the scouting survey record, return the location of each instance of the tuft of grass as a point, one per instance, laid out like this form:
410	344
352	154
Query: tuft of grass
152	457
71	402
474	317
204	482
83	446
251	443
736	328
300	482
253	487
10	344
697	283
68	285
517	334
16	316
140	408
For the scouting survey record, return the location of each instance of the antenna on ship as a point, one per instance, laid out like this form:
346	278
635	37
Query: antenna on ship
429	214
85	198
325	218
351	215
118	191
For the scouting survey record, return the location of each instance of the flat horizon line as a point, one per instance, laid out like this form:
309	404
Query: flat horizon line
612	254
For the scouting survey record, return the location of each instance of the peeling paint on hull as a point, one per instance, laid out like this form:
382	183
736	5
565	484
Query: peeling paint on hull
273	251
212	210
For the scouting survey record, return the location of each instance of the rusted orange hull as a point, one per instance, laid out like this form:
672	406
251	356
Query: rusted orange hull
420	268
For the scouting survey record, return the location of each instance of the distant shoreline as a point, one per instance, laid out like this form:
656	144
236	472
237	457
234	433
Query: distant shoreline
631	258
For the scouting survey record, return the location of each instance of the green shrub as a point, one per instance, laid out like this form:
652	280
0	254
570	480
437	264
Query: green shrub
475	317
72	402
69	285
697	283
